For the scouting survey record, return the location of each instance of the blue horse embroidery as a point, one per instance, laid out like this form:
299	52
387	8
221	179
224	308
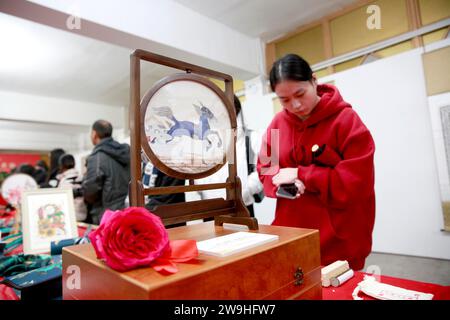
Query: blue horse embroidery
200	131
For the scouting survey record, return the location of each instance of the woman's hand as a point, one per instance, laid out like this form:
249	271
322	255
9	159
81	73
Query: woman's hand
284	176
300	187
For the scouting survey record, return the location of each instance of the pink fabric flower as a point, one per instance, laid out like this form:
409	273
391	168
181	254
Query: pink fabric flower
130	238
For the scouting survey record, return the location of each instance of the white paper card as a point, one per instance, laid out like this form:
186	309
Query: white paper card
233	243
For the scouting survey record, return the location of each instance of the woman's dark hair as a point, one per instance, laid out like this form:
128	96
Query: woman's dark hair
27	169
54	157
42	164
290	67
55	154
66	161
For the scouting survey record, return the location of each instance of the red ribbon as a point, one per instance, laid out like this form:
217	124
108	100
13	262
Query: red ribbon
181	251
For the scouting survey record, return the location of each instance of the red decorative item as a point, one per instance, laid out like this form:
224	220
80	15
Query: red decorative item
135	237
3	202
9	161
181	251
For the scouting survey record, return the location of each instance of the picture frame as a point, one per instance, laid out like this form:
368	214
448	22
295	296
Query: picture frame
47	215
181	131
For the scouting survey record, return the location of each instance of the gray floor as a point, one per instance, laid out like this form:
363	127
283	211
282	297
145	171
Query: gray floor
408	267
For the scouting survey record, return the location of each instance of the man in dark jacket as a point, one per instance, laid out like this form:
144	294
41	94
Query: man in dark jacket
105	185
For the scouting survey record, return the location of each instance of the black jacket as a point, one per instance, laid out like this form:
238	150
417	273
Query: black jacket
105	185
163	180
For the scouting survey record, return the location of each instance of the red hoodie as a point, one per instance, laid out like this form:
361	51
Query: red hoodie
339	199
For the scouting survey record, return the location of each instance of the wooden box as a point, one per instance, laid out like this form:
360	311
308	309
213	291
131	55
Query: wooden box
288	268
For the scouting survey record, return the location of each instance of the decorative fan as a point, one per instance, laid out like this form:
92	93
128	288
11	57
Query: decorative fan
186	126
14	186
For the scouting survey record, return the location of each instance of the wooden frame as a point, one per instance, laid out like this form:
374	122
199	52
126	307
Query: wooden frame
229	210
414	20
38	231
144	107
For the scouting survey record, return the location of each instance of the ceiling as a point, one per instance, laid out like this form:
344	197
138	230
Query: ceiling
265	19
40	60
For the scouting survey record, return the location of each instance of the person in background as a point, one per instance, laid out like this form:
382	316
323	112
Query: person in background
40	172
327	152
160	179
68	174
151	178
26	169
51	181
70	178
105	185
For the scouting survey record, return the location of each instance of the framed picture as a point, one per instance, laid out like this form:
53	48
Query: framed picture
186	125
47	215
440	122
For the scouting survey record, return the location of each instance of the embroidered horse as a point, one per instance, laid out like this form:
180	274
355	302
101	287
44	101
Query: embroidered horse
200	131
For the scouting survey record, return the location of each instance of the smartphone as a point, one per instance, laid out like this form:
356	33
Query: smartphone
288	191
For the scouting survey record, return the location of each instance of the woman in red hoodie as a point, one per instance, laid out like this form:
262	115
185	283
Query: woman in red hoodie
319	143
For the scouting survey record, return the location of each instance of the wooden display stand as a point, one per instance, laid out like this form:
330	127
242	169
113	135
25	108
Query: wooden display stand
230	210
285	269
288	268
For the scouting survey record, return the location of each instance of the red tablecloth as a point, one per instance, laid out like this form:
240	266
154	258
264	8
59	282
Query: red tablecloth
7	293
344	292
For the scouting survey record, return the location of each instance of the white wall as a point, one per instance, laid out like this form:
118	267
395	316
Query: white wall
390	97
35	140
30	122
26	107
265	211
